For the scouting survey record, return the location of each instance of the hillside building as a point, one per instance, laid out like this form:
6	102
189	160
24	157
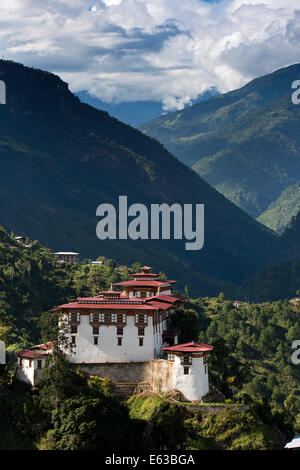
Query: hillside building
67	257
295	301
125	336
190	370
31	362
21	239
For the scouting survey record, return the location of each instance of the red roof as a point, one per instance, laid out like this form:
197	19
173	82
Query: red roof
162	302
104	306
145	274
36	351
144	283
192	346
159	305
167	298
104	299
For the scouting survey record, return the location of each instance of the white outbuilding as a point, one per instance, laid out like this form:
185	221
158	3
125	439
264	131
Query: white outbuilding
190	368
31	362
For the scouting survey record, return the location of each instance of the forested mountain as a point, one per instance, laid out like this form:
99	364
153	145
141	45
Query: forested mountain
245	143
278	214
252	345
61	158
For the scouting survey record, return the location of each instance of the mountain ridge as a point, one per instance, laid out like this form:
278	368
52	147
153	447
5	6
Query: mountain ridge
61	158
232	139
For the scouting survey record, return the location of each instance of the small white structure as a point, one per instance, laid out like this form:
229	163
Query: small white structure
21	239
239	303
295	301
294	444
31	362
190	370
97	262
2	353
67	257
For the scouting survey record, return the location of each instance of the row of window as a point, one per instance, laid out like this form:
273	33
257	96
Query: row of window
143	295
185	360
120	330
140	318
39	363
96	341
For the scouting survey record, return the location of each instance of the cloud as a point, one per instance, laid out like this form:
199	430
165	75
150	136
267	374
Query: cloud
160	50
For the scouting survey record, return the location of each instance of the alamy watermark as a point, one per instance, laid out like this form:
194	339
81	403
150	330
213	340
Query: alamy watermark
2	92
163	222
296	354
296	94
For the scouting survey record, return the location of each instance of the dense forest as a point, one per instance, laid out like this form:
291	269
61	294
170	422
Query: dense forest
251	365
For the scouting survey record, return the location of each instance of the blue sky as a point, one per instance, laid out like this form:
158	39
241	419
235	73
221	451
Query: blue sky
168	51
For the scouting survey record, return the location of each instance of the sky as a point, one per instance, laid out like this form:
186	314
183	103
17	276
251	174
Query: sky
168	51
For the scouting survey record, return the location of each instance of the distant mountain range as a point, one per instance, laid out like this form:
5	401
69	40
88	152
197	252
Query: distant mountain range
61	158
135	113
245	143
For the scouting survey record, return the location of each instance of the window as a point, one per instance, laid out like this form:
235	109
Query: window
119	330
95	339
30	363
171	357
186	370
141	319
114	317
186	360
95	330
73	339
205	369
119	341
121	317
21	361
74	330
107	317
74	317
141	331
39	364
101	317
141	341
205	359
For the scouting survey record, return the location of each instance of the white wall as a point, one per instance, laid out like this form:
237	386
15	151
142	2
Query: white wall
28	374
2	353
158	340
107	349
194	385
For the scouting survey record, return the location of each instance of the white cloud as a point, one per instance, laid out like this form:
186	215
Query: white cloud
162	50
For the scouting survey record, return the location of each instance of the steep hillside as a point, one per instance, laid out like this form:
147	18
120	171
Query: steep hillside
279	213
289	240
61	158
244	143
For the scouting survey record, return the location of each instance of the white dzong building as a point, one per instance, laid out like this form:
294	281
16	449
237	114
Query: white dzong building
125	337
122	326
